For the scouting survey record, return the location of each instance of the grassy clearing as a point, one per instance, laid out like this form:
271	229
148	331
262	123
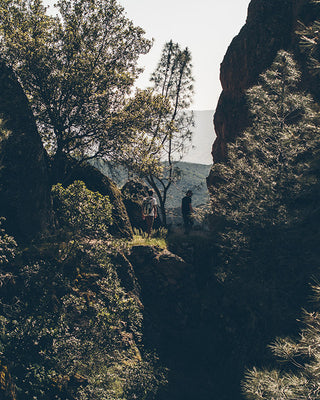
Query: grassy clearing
158	238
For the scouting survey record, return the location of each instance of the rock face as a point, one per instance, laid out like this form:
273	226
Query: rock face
171	314
270	26
24	184
165	283
67	170
126	274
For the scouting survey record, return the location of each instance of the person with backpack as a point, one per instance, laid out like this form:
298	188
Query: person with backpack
149	211
187	211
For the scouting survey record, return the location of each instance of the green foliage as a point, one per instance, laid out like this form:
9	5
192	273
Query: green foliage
265	217
172	79
83	212
173	76
8	253
269	170
300	380
140	120
77	69
68	330
171	130
309	43
8	246
138	382
269	185
67	327
158	238
292	201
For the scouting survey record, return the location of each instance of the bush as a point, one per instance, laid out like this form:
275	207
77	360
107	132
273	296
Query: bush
68	330
299	376
8	246
83	212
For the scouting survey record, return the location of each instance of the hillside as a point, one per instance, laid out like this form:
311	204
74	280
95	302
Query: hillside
192	176
194	167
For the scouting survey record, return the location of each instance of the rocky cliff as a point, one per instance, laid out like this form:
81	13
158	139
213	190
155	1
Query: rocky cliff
170	298
271	25
24	183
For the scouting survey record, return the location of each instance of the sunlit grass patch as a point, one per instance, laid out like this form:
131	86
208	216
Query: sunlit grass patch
158	238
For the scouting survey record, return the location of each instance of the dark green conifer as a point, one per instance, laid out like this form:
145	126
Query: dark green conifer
270	166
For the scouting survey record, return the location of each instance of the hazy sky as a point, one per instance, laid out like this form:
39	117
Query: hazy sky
206	27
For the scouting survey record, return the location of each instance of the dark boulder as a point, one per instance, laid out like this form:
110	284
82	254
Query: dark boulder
25	199
168	291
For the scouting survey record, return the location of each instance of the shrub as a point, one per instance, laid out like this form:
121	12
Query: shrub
299	376
70	331
8	246
82	211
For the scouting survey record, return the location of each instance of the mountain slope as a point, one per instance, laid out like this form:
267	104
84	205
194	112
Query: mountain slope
192	176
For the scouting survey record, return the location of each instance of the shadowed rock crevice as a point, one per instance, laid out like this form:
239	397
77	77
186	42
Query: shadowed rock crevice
170	297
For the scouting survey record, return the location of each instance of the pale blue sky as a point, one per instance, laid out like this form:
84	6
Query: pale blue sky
206	27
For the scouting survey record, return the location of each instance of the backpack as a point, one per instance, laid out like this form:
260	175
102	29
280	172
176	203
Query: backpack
147	206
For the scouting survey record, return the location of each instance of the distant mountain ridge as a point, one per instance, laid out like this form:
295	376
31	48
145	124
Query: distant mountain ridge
192	176
194	166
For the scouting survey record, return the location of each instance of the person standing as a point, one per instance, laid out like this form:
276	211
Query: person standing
149	211
187	210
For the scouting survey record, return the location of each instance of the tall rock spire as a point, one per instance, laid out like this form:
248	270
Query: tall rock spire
25	199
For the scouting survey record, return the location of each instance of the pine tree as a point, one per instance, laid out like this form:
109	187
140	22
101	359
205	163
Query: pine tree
302	357
269	167
280	155
265	213
161	144
309	37
267	196
174	81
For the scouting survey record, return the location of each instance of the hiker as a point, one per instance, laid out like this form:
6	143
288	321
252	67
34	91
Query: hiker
149	211
187	210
